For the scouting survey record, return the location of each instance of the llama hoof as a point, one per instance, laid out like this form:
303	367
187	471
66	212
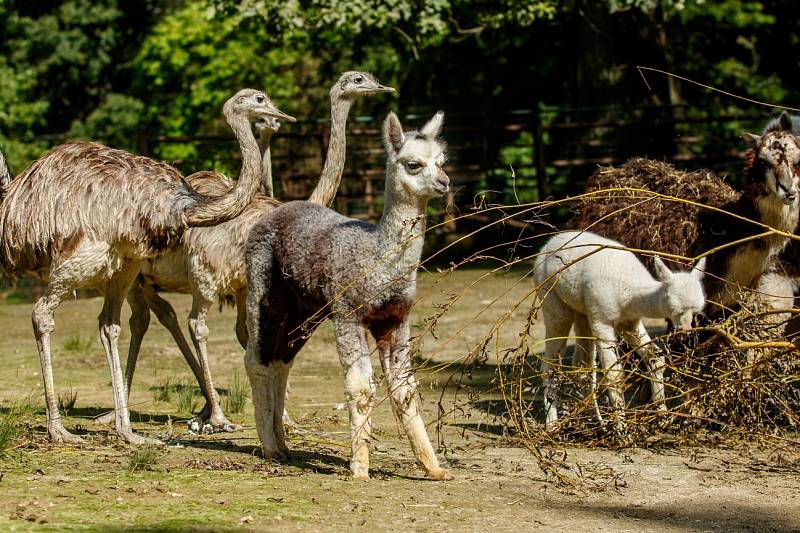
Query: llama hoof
275	455
440	474
60	435
104	419
360	473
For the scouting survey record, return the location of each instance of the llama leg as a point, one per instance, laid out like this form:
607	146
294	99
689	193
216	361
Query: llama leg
557	321
43	326
241	335
262	382
396	363
359	390
639	338
612	369
139	323
198	329
109	320
586	357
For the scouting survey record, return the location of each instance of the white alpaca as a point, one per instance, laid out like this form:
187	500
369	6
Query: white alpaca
591	281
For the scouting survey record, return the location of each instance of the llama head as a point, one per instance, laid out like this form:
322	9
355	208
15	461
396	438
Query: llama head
683	292
415	159
353	84
776	156
253	105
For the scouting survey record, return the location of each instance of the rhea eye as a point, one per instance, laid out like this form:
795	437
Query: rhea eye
260	98
359	79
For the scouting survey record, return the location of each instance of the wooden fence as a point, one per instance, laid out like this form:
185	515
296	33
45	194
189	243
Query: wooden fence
505	157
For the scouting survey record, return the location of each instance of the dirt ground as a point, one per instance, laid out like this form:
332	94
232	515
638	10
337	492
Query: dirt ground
218	482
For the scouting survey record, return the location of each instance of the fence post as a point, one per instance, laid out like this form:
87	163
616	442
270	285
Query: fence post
542	181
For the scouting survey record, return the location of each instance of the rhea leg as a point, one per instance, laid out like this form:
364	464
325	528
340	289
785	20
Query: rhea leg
201	303
557	322
359	390
86	264
396	363
43	326
116	290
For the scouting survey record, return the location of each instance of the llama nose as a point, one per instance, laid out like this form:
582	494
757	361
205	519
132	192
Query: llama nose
443	179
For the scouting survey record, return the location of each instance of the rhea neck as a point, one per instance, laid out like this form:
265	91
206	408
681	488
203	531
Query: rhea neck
331	174
401	231
231	205
648	300
266	162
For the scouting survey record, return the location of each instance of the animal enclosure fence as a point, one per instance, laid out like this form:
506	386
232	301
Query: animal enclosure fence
503	157
495	158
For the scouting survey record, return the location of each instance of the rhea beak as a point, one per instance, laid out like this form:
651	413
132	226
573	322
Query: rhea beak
280	115
385	89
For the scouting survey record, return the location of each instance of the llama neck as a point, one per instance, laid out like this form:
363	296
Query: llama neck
648	300
331	176
266	162
401	232
231	205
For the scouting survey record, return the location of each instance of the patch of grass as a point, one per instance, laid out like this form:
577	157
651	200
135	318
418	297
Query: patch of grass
11	422
143	457
186	399
67	400
163	391
76	343
236	400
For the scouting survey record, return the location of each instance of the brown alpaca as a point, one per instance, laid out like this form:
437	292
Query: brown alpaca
641	221
85	215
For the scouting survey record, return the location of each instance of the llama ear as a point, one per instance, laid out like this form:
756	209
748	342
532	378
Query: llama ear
662	272
433	127
699	268
751	140
393	136
785	121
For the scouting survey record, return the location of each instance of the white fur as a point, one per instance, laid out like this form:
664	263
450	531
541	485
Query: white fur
590	281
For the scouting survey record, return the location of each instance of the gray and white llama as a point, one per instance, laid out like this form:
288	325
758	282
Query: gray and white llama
306	263
590	281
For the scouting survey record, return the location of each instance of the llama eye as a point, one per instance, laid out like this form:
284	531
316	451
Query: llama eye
413	165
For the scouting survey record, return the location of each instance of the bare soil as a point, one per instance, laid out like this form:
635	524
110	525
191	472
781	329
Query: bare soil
219	482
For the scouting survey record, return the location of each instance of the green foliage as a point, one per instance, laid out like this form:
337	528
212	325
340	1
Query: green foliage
144	457
12	420
236	400
186	400
115	122
76	343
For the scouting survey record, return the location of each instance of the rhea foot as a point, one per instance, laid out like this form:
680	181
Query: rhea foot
134	438
105	419
280	454
360	472
58	433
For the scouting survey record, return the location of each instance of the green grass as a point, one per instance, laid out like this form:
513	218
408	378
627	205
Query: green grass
67	400
186	400
162	392
144	457
12	421
237	397
76	343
